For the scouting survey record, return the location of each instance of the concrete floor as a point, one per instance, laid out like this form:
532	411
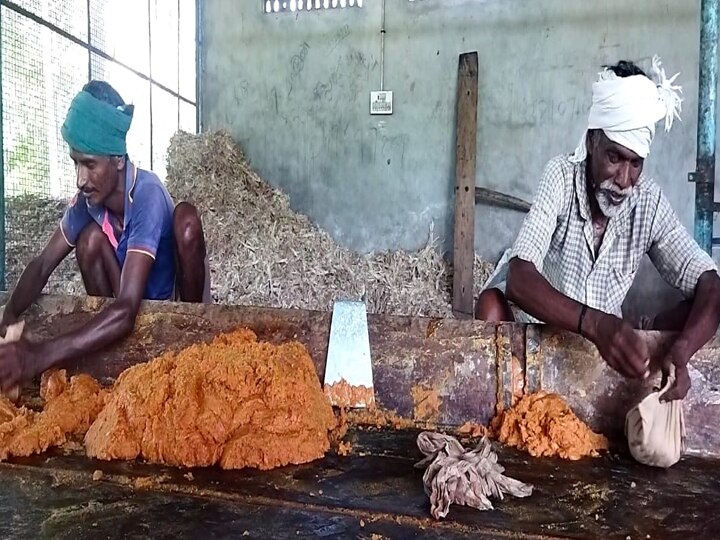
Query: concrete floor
376	491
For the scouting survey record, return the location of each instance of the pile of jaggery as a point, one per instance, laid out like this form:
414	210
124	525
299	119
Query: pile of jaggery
69	409
234	402
543	424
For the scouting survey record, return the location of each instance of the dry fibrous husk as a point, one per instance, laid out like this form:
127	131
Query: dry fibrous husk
261	251
455	475
264	253
30	221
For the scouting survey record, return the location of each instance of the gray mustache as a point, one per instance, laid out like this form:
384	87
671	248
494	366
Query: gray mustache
612	188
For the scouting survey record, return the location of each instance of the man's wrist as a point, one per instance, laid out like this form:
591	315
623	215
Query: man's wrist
681	351
590	323
41	358
8	318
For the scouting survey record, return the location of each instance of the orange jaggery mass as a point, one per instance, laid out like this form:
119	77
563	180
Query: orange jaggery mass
543	424
234	402
344	394
69	409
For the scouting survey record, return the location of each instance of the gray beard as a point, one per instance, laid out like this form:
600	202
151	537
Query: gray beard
608	209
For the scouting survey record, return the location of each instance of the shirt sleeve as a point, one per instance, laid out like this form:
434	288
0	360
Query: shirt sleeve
539	225
675	254
149	214
75	219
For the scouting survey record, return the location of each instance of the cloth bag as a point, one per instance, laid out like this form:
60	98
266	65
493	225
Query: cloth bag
455	475
656	430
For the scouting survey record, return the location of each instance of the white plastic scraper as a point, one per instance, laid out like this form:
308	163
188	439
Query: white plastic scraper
348	369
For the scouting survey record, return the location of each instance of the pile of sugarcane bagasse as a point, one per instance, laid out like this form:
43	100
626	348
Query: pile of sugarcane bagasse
262	252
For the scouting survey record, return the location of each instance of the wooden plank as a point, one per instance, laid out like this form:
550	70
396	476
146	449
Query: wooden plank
495	198
466	141
572	367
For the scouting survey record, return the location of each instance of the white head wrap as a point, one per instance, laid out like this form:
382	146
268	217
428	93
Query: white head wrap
627	108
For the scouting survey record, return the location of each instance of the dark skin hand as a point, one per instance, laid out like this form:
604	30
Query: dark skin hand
100	180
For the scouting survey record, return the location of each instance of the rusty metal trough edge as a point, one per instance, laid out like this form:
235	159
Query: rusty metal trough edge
459	370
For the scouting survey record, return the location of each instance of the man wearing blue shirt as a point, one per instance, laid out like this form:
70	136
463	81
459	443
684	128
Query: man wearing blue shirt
131	242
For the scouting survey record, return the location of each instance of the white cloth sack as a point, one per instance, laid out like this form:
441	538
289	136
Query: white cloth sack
655	430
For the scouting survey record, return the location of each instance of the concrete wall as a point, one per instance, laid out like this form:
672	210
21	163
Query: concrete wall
294	91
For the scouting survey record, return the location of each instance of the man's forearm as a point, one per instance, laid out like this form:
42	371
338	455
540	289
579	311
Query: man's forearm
704	317
27	290
528	289
109	326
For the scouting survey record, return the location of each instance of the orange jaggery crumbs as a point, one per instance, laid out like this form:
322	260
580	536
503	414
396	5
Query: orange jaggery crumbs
69	410
543	424
344	394
473	430
234	402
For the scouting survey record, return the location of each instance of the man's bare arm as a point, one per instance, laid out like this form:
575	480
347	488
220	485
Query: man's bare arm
35	277
701	324
20	361
615	339
111	324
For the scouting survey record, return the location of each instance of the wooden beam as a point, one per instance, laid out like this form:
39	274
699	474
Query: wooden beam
464	236
495	198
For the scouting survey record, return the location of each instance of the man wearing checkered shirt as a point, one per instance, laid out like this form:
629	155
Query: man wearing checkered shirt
594	216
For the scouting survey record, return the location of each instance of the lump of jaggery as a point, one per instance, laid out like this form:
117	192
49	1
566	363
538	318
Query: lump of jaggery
544	425
69	409
471	429
234	402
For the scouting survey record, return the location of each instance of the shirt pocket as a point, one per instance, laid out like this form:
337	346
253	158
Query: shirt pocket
621	277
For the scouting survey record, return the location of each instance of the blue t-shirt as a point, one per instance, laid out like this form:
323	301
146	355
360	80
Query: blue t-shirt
148	227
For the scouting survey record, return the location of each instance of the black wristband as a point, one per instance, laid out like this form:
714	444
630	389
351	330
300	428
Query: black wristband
580	319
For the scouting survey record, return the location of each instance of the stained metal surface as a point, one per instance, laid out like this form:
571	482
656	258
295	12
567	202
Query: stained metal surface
454	370
704	176
450	359
378	493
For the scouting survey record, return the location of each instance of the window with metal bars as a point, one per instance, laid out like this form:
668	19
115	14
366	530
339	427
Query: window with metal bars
278	6
49	49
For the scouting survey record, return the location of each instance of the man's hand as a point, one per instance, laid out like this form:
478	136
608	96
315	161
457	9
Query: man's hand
618	343
7	320
18	363
681	385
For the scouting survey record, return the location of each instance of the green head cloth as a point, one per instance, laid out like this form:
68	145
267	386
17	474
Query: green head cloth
95	127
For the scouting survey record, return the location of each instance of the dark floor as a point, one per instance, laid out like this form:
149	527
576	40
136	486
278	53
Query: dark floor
374	492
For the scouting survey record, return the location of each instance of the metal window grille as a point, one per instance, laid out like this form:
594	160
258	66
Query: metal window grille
277	6
49	49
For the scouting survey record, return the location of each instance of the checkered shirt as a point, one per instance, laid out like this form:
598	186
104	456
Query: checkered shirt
557	237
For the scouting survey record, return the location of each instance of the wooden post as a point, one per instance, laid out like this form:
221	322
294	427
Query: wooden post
464	238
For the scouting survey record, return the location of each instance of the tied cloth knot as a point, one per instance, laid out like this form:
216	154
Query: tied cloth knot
95	127
627	108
